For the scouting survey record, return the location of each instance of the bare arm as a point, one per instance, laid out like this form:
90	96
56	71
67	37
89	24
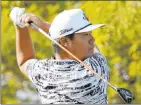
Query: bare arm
24	46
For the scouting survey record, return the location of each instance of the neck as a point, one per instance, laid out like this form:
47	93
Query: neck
64	56
59	56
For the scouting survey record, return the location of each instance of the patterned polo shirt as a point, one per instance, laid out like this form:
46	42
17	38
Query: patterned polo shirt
68	82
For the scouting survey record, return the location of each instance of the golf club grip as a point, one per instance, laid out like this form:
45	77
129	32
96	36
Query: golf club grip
33	24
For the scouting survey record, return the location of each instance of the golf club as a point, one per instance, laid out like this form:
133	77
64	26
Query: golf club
124	94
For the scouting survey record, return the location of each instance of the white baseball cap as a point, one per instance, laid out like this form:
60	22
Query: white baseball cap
71	21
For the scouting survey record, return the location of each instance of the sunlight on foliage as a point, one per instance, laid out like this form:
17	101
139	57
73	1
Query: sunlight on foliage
119	41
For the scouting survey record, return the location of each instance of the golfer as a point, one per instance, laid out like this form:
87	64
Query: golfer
61	79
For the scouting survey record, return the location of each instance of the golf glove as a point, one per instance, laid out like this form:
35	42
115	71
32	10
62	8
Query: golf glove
15	15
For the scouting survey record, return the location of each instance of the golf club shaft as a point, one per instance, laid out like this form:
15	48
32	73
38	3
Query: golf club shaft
82	63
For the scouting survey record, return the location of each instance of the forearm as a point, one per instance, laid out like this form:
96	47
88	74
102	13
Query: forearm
41	23
45	26
24	46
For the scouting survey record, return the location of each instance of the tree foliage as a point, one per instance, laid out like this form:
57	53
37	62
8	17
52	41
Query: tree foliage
119	41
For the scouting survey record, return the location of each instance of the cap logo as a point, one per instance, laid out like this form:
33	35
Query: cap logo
65	30
85	17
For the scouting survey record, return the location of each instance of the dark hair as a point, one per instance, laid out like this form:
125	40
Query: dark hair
56	47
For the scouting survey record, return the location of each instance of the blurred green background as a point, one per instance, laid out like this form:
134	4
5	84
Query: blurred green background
119	41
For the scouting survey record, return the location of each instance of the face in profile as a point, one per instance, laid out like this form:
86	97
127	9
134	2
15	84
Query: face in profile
82	45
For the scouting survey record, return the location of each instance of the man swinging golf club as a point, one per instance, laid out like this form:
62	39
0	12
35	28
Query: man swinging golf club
61	79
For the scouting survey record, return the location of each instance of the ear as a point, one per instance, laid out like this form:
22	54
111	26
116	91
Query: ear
64	42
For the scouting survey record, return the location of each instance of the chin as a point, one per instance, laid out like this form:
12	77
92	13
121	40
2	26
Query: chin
87	56
91	53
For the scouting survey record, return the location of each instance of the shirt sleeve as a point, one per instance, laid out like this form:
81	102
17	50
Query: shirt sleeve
98	61
36	70
31	71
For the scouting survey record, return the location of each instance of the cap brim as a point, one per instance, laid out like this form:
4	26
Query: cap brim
90	28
